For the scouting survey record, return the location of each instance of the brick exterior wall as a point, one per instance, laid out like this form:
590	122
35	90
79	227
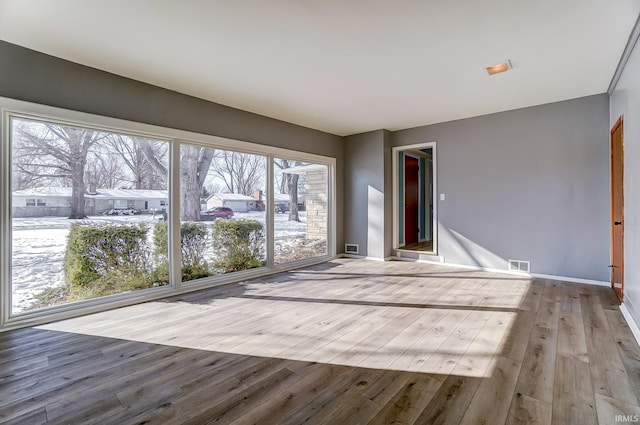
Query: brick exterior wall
316	204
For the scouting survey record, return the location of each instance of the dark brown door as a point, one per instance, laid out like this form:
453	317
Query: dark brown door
617	210
411	200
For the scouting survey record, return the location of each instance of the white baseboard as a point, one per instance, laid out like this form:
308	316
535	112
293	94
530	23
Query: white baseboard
492	270
572	279
632	323
361	257
464	266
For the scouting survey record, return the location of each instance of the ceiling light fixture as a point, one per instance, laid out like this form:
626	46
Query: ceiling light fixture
499	67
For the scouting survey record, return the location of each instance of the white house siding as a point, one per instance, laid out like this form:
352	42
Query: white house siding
54	206
239	203
58	201
214	202
238	206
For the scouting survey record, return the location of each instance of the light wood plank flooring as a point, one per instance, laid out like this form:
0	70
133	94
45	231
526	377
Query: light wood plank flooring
419	246
345	342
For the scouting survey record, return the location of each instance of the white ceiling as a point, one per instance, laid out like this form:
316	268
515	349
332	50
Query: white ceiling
342	66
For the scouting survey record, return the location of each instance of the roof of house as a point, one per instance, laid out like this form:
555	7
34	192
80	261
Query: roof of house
284	197
304	169
65	192
231	197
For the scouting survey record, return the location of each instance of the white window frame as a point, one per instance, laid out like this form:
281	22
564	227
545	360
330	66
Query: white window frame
19	109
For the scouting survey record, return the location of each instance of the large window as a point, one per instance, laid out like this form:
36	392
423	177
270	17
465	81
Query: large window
222	211
301	210
116	215
79	247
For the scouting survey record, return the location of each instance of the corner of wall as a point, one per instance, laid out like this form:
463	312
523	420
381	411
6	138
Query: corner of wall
633	325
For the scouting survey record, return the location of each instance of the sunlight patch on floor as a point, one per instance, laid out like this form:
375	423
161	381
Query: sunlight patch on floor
461	340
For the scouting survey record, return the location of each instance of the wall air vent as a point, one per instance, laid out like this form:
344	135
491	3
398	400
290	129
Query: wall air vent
519	266
351	248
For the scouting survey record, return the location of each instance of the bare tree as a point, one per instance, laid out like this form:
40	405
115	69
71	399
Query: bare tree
131	151
21	179
56	152
214	188
241	173
289	184
194	167
104	170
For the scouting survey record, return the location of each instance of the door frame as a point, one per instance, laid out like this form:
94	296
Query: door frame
419	192
618	124
396	196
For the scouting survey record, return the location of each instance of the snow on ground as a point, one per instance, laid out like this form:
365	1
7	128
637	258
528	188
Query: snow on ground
38	246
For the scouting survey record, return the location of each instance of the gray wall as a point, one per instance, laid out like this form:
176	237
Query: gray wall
528	184
625	101
364	191
35	77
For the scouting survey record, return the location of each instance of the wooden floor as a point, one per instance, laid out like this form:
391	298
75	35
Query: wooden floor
345	342
426	246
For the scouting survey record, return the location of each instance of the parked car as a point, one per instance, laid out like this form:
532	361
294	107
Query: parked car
216	212
282	208
121	211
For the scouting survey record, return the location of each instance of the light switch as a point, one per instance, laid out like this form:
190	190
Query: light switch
442	196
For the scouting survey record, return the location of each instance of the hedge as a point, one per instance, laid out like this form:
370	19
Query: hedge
238	244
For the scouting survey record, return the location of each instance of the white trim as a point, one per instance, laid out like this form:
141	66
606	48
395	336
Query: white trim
96	305
395	195
572	279
463	266
173	223
269	210
5	219
332	223
513	273
362	257
20	109
632	323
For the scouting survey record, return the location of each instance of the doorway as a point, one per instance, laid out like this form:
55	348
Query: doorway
617	209
411	199
414	220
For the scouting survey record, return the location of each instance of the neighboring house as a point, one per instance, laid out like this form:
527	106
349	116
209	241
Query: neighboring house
238	203
281	200
56	201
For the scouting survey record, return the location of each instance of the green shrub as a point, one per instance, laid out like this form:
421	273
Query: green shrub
102	260
194	239
100	252
238	244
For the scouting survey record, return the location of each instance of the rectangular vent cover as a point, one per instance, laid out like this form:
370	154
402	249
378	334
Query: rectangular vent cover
351	248
520	266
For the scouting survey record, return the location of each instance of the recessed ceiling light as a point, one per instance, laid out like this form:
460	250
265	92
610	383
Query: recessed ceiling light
499	67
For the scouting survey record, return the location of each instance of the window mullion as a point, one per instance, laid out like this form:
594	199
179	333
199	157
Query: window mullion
5	219
270	213
175	259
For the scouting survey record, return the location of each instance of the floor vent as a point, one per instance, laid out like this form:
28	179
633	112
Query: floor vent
351	248
519	266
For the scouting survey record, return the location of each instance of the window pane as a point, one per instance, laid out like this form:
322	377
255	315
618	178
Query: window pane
222	210
300	198
85	209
